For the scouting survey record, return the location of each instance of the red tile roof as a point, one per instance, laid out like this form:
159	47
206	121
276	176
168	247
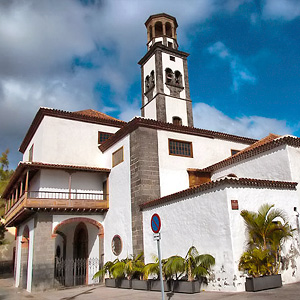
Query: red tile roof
227	181
270	142
89	116
94	113
38	165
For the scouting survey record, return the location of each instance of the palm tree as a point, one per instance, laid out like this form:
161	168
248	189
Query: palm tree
197	265
267	231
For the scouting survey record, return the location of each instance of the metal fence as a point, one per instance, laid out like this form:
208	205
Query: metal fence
72	272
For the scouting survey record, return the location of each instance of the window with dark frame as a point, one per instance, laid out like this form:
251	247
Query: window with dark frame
172	58
233	151
180	148
103	136
117	157
116	245
177	121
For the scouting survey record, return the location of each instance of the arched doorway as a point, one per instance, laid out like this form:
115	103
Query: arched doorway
80	253
24	257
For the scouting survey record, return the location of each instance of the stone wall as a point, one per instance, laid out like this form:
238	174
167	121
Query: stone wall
43	253
145	183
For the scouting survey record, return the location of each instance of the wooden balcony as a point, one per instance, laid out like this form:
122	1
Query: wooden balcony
33	201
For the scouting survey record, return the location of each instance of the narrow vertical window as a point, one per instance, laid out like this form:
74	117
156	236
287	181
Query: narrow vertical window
30	156
117	157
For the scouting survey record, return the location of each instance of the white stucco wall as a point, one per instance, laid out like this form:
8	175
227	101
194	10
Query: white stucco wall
118	218
200	221
294	158
173	169
147	68
63	141
150	110
176	108
273	165
30	224
207	221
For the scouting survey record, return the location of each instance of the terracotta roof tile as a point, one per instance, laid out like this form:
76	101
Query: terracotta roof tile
88	116
229	181
95	113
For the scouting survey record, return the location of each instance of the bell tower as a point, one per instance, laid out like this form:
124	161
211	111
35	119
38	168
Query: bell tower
165	81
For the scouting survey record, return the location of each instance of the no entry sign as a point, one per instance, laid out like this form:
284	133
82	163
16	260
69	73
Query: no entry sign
155	223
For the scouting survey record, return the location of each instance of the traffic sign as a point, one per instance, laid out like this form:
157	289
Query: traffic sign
155	223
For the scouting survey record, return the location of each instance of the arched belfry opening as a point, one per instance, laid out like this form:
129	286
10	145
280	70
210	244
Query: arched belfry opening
161	28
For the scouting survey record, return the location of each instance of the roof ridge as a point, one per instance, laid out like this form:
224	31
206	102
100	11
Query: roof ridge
252	150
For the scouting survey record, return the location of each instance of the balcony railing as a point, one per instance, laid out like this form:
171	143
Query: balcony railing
66	195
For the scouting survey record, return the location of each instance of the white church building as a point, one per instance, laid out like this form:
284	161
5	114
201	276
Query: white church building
88	183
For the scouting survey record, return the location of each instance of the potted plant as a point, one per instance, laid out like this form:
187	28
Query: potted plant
153	269
110	281
268	229
194	266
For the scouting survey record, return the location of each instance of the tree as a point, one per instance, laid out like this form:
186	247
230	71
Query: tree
5	175
267	230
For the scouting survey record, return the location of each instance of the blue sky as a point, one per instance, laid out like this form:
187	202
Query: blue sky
243	65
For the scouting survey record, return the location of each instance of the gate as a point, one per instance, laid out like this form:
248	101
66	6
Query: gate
80	271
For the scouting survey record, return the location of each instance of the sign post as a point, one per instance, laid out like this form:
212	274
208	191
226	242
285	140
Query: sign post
155	226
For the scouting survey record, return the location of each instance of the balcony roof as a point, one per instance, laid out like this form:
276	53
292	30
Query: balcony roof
39	165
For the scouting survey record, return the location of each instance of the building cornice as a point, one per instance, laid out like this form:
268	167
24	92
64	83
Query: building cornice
224	182
76	116
159	47
149	123
247	153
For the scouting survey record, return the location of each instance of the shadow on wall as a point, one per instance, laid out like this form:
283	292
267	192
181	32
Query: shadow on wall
7	254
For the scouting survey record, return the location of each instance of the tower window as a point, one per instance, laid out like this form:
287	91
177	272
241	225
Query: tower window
149	81
168	30
158	29
178	78
169	75
172	58
177	121
150	32
180	148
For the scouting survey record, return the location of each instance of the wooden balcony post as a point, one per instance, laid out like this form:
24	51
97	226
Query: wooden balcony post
21	188
17	194
26	186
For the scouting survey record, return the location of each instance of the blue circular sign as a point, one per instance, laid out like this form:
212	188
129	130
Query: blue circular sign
155	223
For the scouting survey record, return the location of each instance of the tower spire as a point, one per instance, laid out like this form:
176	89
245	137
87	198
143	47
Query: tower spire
165	82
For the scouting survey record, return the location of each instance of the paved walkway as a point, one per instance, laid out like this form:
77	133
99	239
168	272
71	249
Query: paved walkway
8	292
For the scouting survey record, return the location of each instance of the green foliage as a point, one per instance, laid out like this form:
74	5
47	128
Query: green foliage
2	233
5	175
128	267
267	232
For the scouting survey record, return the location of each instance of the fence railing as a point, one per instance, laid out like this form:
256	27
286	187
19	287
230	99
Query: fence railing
66	195
72	272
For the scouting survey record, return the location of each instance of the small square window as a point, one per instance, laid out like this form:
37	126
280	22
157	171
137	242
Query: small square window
103	136
117	157
172	58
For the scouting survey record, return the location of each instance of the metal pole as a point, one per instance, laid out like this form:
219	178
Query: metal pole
160	270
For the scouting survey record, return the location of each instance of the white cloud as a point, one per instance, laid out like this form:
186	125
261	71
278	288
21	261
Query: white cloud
240	74
281	9
209	117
